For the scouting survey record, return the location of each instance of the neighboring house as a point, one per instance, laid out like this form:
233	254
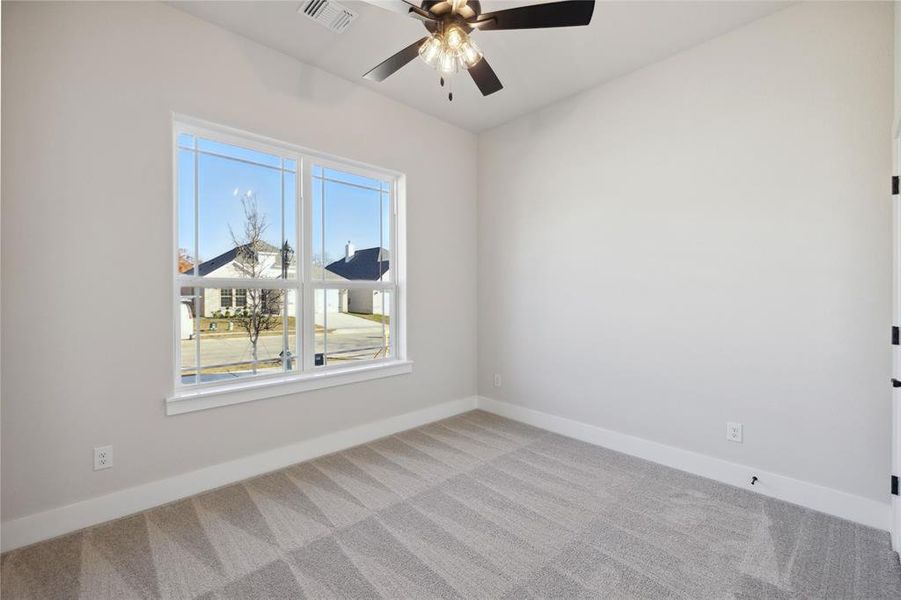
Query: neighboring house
239	262
368	264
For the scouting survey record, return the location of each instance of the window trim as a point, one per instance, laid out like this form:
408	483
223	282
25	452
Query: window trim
199	396
272	386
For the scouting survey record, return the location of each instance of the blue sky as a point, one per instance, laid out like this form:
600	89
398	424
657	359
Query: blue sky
351	213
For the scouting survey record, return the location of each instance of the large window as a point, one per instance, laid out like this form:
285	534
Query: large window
286	266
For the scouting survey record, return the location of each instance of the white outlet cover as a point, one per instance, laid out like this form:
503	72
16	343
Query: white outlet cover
103	457
498	381
734	432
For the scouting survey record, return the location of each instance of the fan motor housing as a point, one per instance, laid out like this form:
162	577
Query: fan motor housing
444	17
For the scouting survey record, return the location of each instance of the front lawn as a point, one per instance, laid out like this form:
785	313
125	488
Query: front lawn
222	326
377	318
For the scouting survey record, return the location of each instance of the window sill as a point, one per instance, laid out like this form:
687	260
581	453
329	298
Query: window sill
190	400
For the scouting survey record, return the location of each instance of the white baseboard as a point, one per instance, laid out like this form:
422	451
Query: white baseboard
20	532
834	502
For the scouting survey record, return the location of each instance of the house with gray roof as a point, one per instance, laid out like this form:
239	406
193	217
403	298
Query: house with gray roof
265	259
367	264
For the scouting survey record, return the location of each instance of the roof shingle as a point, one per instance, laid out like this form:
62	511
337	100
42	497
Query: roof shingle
368	264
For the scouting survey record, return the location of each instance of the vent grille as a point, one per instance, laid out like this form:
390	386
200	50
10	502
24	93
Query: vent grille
329	14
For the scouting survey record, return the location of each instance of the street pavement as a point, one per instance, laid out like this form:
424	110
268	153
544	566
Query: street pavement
348	338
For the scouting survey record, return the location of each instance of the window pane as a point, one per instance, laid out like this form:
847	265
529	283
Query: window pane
320	258
187	344
384	306
319	323
185	212
290	204
240	212
186	140
352	243
290	342
387	213
238	152
258	338
350	325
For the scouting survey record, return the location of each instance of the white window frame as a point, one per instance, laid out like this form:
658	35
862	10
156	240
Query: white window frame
307	376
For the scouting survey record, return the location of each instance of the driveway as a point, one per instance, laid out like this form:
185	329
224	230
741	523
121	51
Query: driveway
342	321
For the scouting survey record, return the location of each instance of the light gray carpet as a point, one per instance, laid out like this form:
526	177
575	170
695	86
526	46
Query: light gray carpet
472	507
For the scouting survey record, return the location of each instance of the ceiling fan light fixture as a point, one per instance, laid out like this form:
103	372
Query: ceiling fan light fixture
450	51
448	48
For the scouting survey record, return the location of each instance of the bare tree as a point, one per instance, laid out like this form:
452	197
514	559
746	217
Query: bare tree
263	308
321	259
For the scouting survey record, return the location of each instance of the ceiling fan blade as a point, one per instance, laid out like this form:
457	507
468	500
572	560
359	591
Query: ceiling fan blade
422	16
403	7
485	78
394	63
537	16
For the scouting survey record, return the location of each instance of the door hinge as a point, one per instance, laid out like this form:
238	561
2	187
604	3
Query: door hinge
896	383
894	485
896	334
894	185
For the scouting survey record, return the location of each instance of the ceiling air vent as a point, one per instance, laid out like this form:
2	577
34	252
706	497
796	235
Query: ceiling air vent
329	14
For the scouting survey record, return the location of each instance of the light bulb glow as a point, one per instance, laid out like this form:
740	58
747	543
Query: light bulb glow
457	5
447	64
430	50
470	54
454	38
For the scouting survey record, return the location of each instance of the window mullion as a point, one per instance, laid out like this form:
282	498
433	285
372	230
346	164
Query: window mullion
305	226
395	332
301	306
324	293
379	259
284	267
238	282
353	284
196	269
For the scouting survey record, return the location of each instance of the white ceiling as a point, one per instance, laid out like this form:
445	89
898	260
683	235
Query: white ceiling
537	67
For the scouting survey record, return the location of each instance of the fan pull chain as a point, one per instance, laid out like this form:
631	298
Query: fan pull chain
450	91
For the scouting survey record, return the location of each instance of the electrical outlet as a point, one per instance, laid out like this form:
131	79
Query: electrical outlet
733	432
103	457
498	382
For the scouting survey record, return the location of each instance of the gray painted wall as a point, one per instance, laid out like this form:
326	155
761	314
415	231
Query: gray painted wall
707	240
87	94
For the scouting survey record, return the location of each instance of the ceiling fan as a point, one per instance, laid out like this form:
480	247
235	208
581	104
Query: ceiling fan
449	48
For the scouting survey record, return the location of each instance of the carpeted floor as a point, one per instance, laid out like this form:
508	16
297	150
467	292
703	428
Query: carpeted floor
475	507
